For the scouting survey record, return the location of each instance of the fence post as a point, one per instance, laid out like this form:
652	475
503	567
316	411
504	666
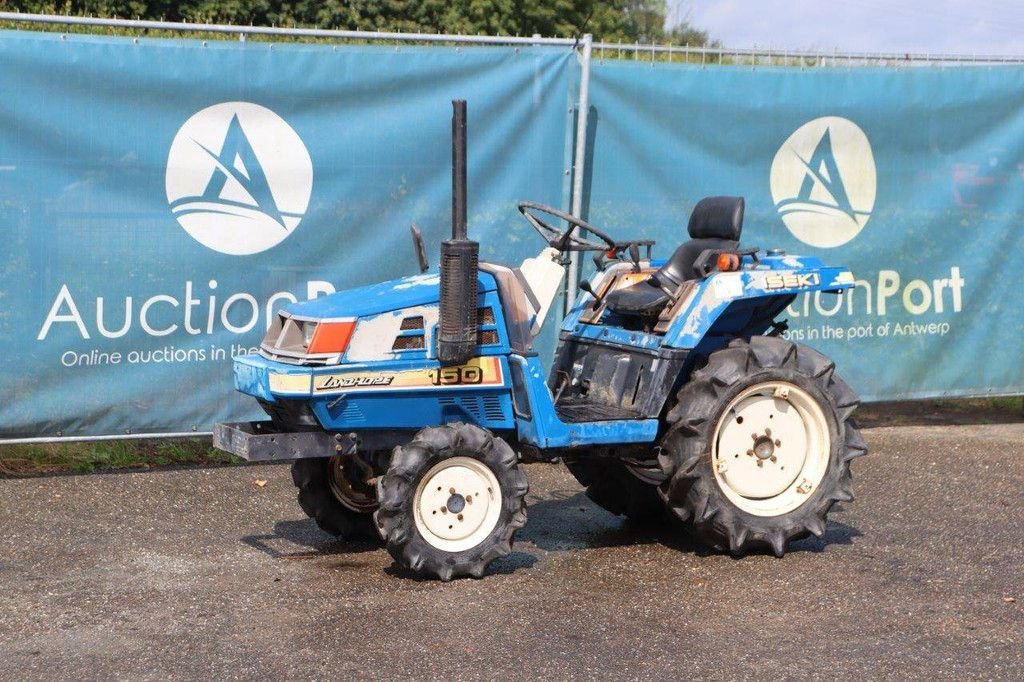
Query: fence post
579	162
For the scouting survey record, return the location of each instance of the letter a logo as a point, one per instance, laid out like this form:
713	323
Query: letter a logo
823	182
238	178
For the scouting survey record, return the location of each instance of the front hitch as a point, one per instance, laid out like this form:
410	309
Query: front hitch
261	442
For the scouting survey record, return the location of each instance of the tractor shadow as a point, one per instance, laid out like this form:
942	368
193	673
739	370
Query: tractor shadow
506	565
566	520
282	542
559	521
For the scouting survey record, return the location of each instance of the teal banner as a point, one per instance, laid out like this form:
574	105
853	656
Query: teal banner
913	177
159	200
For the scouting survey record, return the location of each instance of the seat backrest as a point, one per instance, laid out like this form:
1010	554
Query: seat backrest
717	218
715	223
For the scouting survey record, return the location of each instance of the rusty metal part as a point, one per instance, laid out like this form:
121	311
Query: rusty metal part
350	484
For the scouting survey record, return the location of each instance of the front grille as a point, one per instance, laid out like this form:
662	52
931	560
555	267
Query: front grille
407	343
285	340
410	323
488	337
288	339
294	360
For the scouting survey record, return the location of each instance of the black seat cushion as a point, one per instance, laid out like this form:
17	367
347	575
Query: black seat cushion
643	298
716	223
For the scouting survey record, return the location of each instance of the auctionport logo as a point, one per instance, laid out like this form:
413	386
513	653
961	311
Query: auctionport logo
823	181
238	178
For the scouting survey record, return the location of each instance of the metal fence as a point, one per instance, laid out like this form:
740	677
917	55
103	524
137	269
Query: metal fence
585	48
706	55
794	58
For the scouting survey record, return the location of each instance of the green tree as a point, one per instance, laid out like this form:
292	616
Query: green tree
615	20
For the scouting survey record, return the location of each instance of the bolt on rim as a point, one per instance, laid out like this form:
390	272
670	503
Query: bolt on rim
350	496
457	504
771	448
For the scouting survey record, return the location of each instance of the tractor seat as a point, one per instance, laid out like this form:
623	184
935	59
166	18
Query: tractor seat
716	223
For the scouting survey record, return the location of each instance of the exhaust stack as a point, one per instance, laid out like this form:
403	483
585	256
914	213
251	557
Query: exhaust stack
459	260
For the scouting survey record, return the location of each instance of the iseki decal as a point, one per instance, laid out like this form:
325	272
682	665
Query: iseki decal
791	281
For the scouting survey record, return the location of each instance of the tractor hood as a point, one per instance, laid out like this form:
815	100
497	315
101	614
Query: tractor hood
360	325
395	294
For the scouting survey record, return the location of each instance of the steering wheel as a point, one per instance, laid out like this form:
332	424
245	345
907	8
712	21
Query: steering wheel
564	240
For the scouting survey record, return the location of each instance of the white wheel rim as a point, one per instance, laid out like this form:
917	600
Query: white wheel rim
457	504
771	448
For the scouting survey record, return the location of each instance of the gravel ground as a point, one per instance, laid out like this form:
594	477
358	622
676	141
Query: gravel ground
201	573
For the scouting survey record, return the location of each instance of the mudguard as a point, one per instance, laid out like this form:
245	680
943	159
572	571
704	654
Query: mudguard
773	283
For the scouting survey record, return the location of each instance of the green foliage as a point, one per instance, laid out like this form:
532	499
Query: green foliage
27	460
625	21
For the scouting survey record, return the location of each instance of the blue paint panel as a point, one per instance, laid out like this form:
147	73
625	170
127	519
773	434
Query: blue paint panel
252	376
708	304
252	379
405	292
490	408
545	430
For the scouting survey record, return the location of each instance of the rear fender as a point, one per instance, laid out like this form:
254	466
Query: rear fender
744	303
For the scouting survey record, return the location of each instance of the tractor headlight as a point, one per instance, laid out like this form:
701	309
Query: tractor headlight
308	329
307	341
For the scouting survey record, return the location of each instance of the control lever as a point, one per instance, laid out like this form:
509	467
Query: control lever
421	250
585	286
779	328
634	255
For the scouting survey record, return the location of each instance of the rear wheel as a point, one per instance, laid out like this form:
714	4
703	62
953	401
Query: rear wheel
759	444
611	486
338	494
451	501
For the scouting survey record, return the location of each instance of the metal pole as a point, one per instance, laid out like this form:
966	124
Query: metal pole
579	163
459	169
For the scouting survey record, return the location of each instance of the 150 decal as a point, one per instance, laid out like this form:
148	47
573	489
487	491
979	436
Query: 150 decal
448	376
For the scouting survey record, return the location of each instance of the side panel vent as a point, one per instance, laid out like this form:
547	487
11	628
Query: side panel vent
492	408
351	413
486	409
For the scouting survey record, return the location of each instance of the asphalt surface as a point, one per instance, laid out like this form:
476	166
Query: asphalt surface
201	573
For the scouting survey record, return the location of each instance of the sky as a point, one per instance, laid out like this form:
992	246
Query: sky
993	27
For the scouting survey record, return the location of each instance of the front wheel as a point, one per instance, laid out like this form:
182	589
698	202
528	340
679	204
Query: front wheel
336	493
759	444
451	501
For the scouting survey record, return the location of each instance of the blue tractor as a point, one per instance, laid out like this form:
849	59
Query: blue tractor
409	406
